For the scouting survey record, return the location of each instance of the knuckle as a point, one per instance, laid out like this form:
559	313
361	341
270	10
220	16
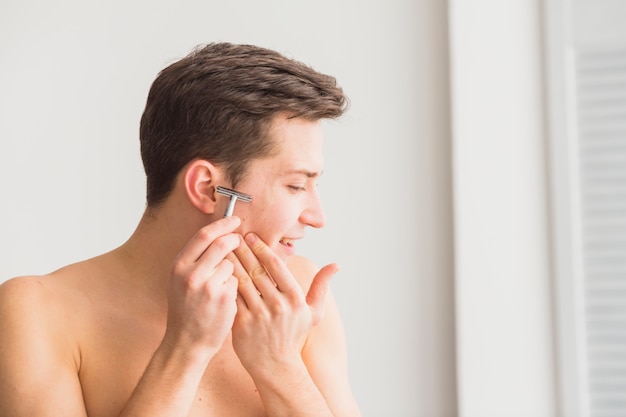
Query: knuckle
228	266
244	251
280	308
264	315
220	244
295	302
204	235
260	248
182	277
274	263
177	269
192	277
244	279
226	243
257	272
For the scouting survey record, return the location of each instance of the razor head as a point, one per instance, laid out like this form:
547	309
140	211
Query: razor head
232	193
234	196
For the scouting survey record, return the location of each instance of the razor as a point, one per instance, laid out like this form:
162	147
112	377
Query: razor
234	196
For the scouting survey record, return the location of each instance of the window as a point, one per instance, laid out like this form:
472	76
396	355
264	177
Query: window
586	55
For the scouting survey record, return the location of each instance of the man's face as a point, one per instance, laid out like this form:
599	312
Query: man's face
284	190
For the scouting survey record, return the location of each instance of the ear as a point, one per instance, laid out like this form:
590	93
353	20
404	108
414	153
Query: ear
200	179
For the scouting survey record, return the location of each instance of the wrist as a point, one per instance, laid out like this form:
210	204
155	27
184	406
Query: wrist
287	389
278	369
186	355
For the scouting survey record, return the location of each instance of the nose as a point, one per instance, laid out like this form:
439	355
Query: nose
313	214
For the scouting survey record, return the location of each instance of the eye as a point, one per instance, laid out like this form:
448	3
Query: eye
296	188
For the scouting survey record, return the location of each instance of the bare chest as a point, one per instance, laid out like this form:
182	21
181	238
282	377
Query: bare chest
115	355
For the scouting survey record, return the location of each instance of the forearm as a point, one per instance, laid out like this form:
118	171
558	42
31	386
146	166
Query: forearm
168	385
289	391
201	308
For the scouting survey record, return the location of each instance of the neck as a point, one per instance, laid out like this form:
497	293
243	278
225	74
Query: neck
159	237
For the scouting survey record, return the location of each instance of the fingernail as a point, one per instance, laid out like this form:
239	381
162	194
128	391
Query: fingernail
250	238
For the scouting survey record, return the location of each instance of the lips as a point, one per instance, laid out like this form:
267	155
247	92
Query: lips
286	242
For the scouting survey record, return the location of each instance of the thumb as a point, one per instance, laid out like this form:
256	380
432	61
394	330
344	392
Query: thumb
316	297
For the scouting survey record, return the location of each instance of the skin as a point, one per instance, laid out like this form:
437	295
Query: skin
194	315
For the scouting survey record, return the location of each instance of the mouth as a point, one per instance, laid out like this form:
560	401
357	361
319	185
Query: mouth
286	242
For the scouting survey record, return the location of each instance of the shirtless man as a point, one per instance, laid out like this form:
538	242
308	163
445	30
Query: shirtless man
196	314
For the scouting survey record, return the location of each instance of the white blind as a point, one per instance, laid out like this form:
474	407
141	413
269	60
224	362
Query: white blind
601	123
586	86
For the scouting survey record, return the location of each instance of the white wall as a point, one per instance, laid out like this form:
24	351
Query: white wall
73	80
505	336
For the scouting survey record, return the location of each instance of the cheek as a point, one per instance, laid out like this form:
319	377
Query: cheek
271	219
254	217
270	216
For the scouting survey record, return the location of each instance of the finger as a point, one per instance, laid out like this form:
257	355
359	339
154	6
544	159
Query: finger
242	305
217	251
246	286
221	285
198	273
255	269
221	274
205	236
231	287
213	279
270	265
316	296
239	271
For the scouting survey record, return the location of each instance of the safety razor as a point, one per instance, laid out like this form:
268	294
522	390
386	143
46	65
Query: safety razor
234	196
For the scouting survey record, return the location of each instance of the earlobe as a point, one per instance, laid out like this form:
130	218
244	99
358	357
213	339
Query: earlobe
200	185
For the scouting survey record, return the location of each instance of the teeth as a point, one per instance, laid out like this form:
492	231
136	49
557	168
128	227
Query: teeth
285	241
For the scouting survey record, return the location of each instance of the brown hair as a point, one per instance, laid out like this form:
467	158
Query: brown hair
217	104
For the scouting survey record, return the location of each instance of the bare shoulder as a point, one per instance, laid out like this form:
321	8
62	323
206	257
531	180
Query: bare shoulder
44	297
43	309
303	269
39	357
23	299
34	308
13	291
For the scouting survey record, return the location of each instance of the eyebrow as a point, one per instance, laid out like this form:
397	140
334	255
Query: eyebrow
309	174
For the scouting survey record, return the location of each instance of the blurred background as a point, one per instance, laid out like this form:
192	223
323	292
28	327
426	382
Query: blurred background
457	187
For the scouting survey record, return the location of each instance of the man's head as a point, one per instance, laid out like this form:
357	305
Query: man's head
218	104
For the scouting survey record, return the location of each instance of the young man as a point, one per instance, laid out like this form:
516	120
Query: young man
196	314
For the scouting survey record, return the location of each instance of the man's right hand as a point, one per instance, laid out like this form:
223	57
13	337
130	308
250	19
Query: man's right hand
202	291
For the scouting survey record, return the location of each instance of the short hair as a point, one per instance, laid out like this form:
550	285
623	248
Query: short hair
218	103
